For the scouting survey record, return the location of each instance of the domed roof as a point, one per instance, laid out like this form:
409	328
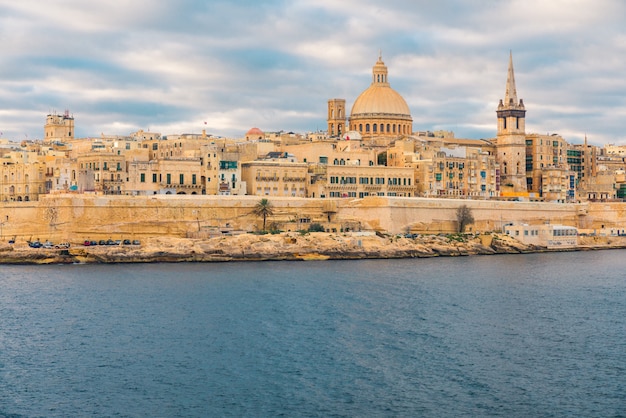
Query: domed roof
255	131
379	98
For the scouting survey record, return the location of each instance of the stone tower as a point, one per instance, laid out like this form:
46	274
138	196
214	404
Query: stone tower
59	127
511	139
336	117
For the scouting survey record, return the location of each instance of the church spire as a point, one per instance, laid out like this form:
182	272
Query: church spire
510	97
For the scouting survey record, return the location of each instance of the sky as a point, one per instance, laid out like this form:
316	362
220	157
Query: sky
226	66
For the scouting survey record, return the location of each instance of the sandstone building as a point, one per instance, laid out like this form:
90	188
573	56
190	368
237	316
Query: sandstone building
371	152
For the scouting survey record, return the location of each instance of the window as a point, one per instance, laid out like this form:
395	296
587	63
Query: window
193	179
181	179
169	178
142	177
155	146
154	178
228	165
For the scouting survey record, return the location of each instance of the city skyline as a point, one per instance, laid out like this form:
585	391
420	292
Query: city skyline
186	66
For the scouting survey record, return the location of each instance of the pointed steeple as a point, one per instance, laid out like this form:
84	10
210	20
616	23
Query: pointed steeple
510	97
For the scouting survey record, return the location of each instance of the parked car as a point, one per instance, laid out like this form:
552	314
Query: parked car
136	242
102	242
47	244
126	242
87	243
62	245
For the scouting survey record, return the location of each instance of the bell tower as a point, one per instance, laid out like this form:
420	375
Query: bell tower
59	127
336	117
511	138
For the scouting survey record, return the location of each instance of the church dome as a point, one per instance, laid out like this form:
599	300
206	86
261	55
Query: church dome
254	133
378	99
380	110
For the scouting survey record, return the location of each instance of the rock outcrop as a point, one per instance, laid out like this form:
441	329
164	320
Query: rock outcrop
284	246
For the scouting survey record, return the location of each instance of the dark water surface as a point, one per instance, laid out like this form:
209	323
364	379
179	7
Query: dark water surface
524	335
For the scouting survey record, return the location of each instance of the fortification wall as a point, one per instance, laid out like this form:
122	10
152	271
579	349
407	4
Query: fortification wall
73	217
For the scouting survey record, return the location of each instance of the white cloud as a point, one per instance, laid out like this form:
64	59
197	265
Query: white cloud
273	64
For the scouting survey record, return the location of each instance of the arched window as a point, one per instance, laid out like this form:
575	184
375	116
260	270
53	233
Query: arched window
375	127
388	130
360	127
382	128
367	127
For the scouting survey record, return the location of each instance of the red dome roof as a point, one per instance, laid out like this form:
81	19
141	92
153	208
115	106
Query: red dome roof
254	131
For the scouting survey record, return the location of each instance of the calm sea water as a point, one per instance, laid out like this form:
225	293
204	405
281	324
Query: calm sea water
517	336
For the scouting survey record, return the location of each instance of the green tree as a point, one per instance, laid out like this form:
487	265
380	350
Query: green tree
464	217
264	209
316	227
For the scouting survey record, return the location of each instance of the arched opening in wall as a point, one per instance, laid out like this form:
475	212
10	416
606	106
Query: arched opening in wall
503	123
394	128
382	128
367	128
194	193
26	199
181	193
388	130
168	192
19	198
360	127
375	126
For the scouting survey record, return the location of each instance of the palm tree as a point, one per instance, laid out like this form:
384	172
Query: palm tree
263	208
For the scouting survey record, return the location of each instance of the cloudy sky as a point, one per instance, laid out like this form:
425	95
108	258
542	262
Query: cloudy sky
170	66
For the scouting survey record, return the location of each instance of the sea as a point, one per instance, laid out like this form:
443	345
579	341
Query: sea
532	335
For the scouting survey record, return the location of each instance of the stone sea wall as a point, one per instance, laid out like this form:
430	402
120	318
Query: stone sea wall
78	217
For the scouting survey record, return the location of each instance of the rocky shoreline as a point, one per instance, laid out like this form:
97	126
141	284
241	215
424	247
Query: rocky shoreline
289	246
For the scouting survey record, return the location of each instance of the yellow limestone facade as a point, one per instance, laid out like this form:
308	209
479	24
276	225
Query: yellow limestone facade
75	218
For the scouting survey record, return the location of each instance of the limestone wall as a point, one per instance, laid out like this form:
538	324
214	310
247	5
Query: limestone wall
76	217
